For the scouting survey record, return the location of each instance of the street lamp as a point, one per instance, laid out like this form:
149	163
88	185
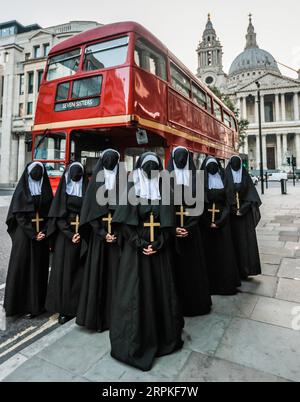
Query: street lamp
260	139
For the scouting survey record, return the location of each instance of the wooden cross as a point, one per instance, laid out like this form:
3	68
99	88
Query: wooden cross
214	211
238	203
109	220
37	221
182	214
151	225
76	224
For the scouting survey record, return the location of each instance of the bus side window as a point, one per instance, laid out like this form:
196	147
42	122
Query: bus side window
180	81
199	96
150	59
218	111
227	119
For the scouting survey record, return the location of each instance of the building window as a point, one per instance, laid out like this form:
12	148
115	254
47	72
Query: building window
46	49
269	112
21	109
2	86
29	108
37	51
27	56
30	82
6	57
22	84
40	78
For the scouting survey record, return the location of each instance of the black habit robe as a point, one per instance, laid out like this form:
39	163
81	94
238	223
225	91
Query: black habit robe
220	255
244	227
67	270
27	278
147	321
101	259
190	263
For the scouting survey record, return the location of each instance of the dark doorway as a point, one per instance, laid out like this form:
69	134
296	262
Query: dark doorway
271	164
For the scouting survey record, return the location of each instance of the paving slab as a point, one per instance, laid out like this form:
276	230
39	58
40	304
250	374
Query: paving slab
11	365
288	289
77	351
263	347
269	269
241	305
290	268
277	251
261	285
203	334
39	370
270	259
201	368
275	312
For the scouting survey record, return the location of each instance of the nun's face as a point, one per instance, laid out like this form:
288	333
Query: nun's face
110	160
181	158
236	163
36	173
151	169
212	168
76	173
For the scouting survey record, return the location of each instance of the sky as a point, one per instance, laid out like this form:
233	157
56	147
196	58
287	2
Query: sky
179	24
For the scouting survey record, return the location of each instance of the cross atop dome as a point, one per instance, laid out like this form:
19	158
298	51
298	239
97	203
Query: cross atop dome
251	35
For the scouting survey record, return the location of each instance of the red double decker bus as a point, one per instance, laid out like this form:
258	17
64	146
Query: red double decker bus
118	86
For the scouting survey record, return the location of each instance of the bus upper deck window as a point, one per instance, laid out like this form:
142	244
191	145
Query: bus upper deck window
106	54
150	59
63	65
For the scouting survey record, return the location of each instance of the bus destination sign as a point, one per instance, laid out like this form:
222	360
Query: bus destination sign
79	104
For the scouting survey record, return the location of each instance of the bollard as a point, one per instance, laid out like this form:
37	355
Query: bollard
283	186
2	319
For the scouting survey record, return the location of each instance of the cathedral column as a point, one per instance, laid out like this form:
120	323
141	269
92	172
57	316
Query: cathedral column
256	109
238	106
297	140
262	104
257	153
279	151
296	106
244	107
283	109
285	146
277	107
264	145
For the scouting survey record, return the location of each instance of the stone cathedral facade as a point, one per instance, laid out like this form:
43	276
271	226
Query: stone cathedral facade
279	101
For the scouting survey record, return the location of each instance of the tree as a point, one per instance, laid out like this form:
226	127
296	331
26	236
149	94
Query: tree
243	124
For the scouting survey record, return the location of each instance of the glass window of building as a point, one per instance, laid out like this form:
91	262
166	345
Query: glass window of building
29	108
37	51
21	84
46	49
30	82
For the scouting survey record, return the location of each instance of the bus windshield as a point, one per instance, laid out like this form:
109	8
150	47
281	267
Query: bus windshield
63	65
106	54
50	147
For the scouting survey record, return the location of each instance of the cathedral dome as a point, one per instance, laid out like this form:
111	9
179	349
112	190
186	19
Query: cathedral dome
253	58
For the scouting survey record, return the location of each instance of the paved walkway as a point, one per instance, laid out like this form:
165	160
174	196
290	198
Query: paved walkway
249	337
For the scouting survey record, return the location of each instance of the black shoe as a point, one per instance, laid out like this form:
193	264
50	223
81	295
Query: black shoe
30	316
63	319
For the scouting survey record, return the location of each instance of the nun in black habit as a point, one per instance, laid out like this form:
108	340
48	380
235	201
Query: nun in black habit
146	321
28	270
245	216
100	247
220	255
190	263
63	230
